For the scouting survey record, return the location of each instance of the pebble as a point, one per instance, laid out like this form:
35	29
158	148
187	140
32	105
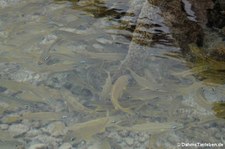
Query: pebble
56	129
38	146
129	141
18	129
214	94
124	133
104	41
4	126
3	4
115	135
2	89
4	34
46	139
123	145
66	146
98	46
143	137
218	135
49	39
33	133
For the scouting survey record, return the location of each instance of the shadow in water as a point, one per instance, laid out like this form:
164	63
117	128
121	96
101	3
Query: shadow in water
98	8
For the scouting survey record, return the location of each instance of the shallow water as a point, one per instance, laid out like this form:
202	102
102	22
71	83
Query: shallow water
100	74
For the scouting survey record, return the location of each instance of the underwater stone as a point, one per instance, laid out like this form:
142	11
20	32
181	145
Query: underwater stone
129	141
98	46
6	3
18	129
66	146
2	89
214	95
3	4
47	139
56	129
142	137
33	133
104	41
4	126
49	39
38	146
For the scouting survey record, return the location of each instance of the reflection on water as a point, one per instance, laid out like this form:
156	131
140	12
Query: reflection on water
103	74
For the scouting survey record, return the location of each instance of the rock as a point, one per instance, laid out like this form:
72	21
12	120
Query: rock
11	144
4	126
46	139
9	119
13	71
3	4
124	133
216	16
2	89
18	129
115	135
214	94
38	146
98	46
66	146
104	41
49	39
6	3
129	141
33	133
142	138
8	69
56	129
25	75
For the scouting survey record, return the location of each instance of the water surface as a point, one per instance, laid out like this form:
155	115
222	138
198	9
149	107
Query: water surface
100	74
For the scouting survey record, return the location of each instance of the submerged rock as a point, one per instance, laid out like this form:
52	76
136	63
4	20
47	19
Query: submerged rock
129	141
56	129
4	126
66	146
216	16
38	146
7	3
18	129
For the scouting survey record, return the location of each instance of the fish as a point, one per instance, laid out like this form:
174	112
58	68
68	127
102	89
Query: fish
38	116
30	96
136	93
101	55
149	76
45	55
87	130
184	90
192	71
141	81
117	92
31	92
11	119
152	127
9	103
105	94
201	101
13	85
55	68
5	136
73	102
42	116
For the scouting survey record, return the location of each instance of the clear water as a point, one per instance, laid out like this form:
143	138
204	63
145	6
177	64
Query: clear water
56	61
